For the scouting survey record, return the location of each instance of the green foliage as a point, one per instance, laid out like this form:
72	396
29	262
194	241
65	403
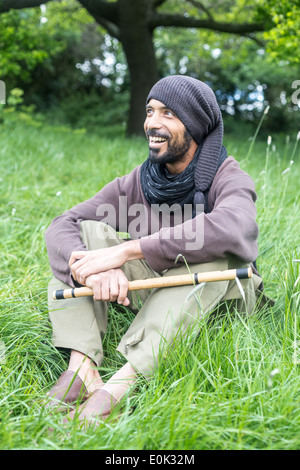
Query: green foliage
59	58
238	11
71	83
238	68
95	112
27	40
22	48
15	110
241	73
283	39
15	98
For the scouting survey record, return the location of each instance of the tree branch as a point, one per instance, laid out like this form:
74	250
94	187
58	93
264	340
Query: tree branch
6	5
101	8
157	3
259	42
167	20
200	6
104	13
111	28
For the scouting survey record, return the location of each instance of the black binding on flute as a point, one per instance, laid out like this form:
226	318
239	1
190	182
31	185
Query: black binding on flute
59	294
242	273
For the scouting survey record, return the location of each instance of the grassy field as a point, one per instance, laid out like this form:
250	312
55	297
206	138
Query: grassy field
237	386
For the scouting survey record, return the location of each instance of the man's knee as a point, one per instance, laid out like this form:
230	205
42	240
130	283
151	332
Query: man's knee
96	235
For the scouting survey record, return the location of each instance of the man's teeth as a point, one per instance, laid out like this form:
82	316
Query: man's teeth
157	139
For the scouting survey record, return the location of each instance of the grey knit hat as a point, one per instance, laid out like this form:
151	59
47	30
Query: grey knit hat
195	104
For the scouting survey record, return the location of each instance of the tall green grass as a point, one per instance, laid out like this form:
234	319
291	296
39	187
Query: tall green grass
234	386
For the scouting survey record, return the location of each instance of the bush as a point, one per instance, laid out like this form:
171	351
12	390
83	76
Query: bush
91	110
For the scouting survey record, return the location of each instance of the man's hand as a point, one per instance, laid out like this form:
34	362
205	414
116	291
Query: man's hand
85	263
110	285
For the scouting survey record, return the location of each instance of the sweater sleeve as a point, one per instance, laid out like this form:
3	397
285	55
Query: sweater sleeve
230	227
63	235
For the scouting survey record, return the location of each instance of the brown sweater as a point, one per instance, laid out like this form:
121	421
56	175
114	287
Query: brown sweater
230	227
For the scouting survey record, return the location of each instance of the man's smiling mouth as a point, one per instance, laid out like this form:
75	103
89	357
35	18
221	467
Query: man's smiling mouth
156	140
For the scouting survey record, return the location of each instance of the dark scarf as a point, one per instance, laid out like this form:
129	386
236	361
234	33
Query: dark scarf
159	186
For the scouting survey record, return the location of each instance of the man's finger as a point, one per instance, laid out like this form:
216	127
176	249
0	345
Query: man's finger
114	289
75	256
104	290
123	289
97	291
82	272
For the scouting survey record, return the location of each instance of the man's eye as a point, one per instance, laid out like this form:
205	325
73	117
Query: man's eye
169	113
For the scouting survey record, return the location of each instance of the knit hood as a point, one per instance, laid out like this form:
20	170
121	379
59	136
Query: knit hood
195	104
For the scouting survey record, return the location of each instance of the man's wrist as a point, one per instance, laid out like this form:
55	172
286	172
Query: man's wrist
132	250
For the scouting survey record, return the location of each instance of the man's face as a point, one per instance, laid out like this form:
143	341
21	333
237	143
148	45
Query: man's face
169	141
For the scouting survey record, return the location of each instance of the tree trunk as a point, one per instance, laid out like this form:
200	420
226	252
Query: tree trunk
137	41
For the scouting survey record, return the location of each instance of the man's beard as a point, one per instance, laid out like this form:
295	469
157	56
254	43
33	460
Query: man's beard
174	153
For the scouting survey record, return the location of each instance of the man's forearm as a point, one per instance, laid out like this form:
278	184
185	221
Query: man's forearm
85	263
132	250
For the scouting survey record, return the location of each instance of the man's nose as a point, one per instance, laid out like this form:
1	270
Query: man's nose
154	121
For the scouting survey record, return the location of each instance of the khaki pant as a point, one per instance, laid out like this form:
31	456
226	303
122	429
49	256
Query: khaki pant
80	323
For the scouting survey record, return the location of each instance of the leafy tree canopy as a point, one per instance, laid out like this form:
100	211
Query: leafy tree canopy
283	37
239	48
27	38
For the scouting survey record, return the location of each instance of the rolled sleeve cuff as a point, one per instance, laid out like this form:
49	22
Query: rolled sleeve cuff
153	253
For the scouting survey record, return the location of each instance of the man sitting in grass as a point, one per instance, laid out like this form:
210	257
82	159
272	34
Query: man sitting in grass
188	208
